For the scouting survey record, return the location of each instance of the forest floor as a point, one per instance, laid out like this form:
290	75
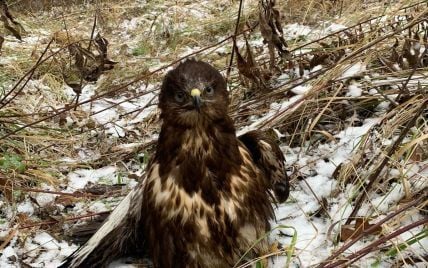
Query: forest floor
347	99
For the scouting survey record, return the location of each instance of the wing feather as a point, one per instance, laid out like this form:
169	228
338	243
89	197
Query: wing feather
268	157
116	236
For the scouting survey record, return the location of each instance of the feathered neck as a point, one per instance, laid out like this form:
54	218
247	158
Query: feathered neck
194	154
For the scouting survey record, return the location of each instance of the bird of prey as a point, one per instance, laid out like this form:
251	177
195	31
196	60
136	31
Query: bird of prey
206	197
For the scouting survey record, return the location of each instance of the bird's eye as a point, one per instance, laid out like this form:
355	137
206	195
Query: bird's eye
209	90
179	96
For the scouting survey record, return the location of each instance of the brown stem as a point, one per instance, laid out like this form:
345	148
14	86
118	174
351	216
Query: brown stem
55	192
234	38
68	219
364	251
371	229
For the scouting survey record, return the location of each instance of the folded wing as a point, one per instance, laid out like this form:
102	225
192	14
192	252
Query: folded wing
268	157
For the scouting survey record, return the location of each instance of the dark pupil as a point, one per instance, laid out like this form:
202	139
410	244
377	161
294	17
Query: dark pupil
179	96
209	89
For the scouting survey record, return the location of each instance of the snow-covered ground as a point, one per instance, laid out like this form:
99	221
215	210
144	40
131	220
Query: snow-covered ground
307	223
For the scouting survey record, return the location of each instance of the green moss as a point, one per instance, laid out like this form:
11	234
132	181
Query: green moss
12	162
142	49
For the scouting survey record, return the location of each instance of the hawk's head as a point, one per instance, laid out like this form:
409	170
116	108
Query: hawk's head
192	93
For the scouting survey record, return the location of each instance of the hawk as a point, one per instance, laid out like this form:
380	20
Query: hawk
207	194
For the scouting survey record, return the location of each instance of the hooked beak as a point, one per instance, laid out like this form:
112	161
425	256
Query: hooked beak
196	95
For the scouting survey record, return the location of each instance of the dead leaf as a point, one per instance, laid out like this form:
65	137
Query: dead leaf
7	239
275	247
361	225
271	30
248	68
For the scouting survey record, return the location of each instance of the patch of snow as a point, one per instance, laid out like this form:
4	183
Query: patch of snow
44	199
46	240
316	68
354	70
311	237
296	30
102	114
282	78
382	203
325	168
305	198
383	106
78	179
353	134
98	207
301	90
9	255
321	185
45	251
26	207
256	42
115	129
130	25
354	90
32	39
334	27
421	246
132	183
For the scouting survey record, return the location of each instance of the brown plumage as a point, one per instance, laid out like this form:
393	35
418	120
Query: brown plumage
268	157
205	198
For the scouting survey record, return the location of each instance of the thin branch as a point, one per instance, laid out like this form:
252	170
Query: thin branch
4	101
67	219
232	53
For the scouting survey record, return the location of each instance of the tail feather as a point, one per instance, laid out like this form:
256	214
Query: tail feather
116	237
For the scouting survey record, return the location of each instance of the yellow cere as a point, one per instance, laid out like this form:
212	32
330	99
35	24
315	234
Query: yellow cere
195	92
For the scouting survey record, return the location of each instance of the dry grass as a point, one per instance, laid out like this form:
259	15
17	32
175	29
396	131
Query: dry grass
36	152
